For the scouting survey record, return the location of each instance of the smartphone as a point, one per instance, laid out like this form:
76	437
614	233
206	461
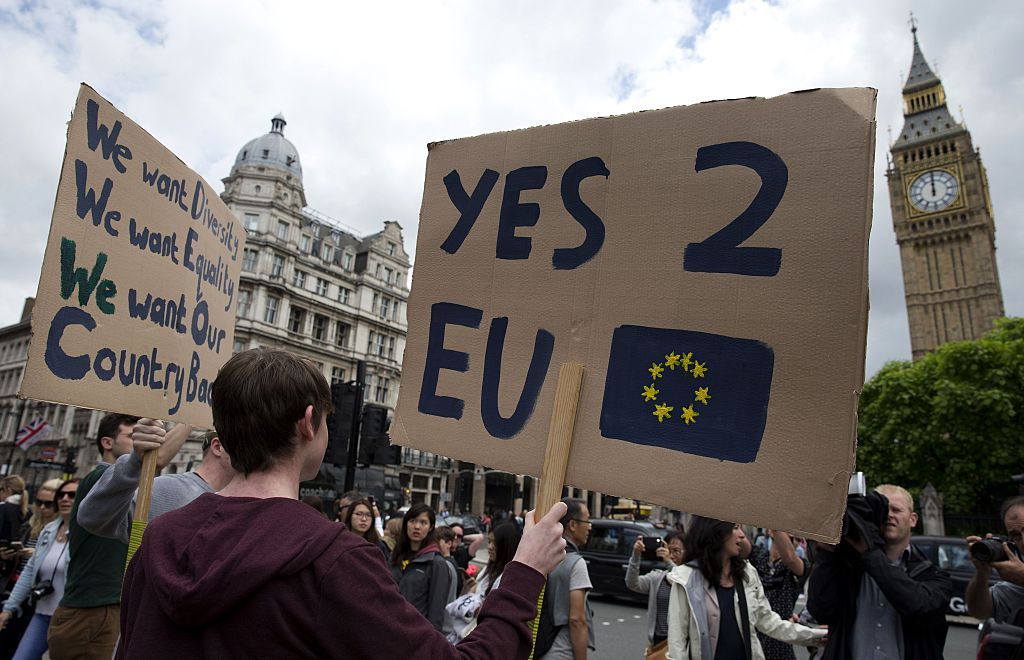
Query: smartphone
651	545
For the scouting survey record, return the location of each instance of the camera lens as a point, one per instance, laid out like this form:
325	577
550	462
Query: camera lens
988	551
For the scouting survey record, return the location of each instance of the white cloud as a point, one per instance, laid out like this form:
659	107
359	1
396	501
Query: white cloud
366	87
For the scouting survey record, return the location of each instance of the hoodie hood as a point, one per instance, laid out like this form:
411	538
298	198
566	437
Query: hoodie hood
433	547
205	558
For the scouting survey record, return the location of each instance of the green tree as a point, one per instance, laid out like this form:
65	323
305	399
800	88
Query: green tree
954	418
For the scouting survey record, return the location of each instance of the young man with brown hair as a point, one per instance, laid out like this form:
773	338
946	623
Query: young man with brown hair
85	623
254	572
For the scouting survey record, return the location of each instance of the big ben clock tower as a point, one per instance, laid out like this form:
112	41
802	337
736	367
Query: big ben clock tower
942	214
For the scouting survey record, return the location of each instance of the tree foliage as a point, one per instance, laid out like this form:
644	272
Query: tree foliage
954	418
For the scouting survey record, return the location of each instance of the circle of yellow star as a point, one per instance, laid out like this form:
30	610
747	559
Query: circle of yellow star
701	394
650	393
689	415
671	360
656	370
699	370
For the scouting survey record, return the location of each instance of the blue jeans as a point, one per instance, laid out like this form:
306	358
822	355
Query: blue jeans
33	642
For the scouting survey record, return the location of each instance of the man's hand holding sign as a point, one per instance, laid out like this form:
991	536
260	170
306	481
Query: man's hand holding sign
706	266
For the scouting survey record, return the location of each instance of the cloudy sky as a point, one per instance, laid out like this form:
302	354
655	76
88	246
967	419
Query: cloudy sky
366	86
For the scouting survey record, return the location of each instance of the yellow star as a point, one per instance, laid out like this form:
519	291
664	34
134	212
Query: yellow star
650	393
699	370
661	411
656	370
687	361
689	415
671	360
702	395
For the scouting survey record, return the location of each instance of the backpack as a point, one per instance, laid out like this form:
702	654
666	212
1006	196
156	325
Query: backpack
546	628
546	631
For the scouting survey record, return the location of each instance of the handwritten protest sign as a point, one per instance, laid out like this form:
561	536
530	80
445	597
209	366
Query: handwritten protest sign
708	267
135	307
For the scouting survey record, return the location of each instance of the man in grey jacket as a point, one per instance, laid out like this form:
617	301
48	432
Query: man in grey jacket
108	508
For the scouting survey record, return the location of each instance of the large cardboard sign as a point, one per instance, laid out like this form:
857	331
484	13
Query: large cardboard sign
135	307
708	266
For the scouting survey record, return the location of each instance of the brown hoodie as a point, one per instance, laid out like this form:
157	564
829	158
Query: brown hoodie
247	577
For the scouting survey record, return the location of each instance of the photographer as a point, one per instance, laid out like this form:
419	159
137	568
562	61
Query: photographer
1000	601
878	594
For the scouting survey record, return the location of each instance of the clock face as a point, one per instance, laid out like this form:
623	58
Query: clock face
934	190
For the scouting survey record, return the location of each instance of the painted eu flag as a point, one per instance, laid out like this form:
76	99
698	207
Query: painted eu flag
693	392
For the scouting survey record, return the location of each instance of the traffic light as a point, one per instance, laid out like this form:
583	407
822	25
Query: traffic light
374	444
339	423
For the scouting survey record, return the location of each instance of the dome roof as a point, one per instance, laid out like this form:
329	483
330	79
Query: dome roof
271	150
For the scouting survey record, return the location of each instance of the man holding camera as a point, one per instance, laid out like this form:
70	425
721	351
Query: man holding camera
879	595
1005	600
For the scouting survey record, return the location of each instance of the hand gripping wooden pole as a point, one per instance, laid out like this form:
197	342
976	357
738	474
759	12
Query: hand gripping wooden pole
142	500
556	454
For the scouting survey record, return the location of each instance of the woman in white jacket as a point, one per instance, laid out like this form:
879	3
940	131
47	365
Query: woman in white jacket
717	603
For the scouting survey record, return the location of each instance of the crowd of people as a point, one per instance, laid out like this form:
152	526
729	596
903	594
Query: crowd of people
233	564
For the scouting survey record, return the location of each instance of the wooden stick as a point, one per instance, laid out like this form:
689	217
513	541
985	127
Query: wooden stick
563	422
556	455
142	501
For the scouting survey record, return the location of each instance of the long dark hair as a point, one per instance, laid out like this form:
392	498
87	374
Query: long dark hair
371	534
506	542
403	549
704	542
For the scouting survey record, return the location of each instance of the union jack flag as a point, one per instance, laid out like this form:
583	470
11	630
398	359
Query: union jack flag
36	430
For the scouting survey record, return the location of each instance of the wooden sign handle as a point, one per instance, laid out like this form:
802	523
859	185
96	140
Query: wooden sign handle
145	494
563	422
142	499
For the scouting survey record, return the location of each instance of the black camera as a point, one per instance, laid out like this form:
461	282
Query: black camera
991	549
42	589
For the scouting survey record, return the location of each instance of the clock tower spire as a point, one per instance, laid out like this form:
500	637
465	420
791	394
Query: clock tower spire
942	214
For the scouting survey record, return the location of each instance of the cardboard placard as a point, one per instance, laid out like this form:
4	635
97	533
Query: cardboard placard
708	266
135	307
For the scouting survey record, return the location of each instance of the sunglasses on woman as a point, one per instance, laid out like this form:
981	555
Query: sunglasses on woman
46	503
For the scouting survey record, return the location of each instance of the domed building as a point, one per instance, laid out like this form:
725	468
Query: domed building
316	288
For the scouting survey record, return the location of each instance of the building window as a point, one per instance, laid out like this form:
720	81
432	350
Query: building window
391	348
391	248
322	286
319	327
252	221
341	333
244	300
388	275
376	271
304	242
270	312
328	252
385	306
239	346
296	320
376	301
266	153
343	295
378	344
346	261
249	260
381	390
337	375
277	267
282	229
299	280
